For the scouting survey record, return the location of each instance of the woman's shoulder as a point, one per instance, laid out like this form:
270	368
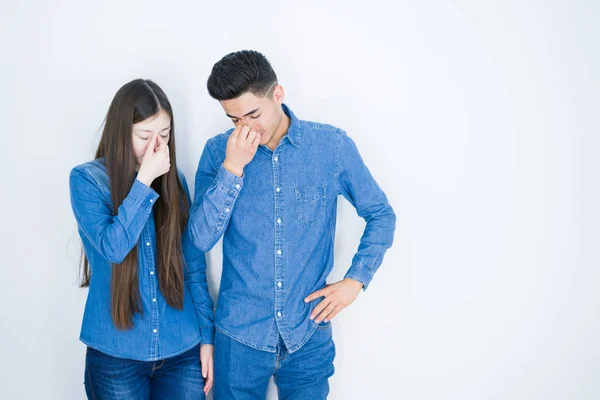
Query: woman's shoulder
95	169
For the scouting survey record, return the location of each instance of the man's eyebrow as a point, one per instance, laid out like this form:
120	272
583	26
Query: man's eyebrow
251	112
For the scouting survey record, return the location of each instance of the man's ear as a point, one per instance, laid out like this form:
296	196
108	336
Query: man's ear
278	94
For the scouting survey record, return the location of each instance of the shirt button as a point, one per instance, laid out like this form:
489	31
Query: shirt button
278	189
278	314
276	158
237	185
278	284
151	272
154	300
278	220
279	252
154	330
147	243
151	200
227	210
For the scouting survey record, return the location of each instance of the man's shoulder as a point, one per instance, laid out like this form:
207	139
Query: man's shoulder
218	144
321	132
319	127
220	139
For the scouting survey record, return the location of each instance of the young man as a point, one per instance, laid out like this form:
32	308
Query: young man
270	188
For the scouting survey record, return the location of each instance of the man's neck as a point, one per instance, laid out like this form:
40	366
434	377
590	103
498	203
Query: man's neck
281	131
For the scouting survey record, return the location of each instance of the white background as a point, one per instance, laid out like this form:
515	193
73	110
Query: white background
478	118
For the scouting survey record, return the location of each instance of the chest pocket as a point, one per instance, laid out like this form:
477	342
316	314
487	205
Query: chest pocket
310	203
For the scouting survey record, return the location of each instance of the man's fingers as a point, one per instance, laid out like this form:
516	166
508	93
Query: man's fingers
328	310
251	136
236	132
256	141
334	313
244	133
320	307
315	295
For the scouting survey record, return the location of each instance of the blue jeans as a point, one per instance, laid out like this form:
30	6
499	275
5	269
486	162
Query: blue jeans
108	378
242	372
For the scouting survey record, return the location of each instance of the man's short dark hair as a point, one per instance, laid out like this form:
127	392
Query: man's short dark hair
241	72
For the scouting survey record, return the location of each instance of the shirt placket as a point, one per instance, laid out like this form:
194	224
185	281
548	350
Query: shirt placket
279	238
149	247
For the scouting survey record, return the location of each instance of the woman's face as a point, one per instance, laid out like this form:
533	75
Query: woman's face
159	124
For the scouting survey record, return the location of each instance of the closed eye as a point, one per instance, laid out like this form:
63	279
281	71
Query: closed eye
235	120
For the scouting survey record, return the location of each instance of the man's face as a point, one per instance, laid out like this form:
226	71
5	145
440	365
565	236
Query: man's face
262	114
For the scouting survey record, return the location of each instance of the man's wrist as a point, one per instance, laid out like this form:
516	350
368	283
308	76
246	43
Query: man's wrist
234	169
359	285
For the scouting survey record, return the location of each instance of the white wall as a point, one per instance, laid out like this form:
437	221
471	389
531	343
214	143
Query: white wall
479	119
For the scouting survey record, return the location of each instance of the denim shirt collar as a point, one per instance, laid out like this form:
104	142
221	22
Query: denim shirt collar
294	133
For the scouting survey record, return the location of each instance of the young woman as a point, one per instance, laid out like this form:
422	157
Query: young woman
148	320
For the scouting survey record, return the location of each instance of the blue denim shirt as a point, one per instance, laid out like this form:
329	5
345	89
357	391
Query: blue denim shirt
162	331
278	226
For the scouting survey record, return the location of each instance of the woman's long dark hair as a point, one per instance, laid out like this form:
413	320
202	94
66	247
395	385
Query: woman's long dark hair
137	101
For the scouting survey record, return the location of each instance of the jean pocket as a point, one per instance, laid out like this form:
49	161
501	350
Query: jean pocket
310	203
324	325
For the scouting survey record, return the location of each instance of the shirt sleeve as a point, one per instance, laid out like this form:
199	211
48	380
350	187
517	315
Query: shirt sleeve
113	236
216	191
358	186
195	279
